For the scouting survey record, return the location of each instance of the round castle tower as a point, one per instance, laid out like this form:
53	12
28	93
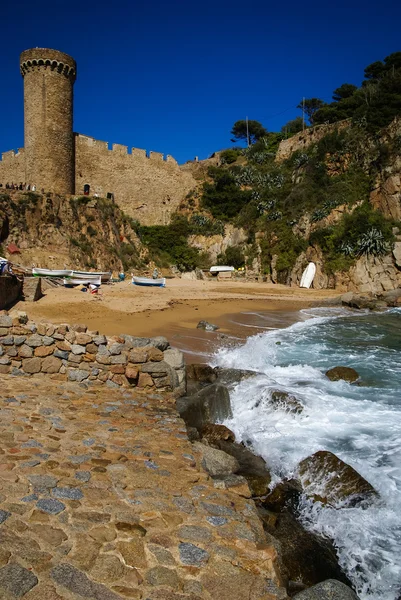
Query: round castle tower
49	77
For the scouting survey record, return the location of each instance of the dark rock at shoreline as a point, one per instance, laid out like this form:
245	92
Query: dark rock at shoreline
207	326
216	462
285	494
306	557
202	373
360	302
209	405
252	467
213	433
330	589
328	479
285	401
198	377
231	377
344	373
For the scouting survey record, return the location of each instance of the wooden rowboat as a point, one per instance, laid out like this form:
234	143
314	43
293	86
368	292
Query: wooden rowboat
160	282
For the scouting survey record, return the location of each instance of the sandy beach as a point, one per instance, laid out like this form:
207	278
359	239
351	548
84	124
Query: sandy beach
175	310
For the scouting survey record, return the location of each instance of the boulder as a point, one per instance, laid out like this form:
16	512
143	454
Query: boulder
202	373
305	557
285	494
231	377
285	401
344	373
327	590
207	406
328	479
252	467
216	462
213	433
207	326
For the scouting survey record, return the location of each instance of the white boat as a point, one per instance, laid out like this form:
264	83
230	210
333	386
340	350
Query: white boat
160	282
93	279
104	275
308	276
51	272
221	269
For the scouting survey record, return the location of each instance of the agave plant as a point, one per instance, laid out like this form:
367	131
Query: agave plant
319	214
266	205
372	242
301	160
347	249
274	216
255	195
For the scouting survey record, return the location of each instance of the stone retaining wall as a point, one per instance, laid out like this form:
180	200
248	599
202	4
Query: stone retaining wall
10	290
71	352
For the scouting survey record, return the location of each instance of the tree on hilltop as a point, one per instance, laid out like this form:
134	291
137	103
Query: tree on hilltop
255	131
311	106
292	127
346	90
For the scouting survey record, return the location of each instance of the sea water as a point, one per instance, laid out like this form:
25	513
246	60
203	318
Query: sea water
360	423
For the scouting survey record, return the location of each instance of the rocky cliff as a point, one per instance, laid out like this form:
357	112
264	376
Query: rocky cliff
52	231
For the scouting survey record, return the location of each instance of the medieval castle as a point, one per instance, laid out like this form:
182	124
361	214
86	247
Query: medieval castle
148	187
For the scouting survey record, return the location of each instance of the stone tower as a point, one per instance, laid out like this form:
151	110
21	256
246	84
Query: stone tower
49	77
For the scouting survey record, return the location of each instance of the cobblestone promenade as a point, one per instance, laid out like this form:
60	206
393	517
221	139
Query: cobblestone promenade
103	497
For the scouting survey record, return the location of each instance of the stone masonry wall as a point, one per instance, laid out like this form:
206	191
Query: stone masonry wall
12	167
147	188
71	352
306	138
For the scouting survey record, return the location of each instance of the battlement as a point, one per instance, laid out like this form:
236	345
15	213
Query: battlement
7	156
86	141
44	58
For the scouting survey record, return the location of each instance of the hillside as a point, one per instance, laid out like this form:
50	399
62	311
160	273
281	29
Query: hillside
53	231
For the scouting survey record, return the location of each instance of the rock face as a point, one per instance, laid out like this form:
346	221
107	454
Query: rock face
209	405
230	377
252	467
70	352
327	590
328	479
345	373
213	433
287	402
216	462
305	556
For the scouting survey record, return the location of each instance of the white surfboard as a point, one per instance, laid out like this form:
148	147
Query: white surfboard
308	276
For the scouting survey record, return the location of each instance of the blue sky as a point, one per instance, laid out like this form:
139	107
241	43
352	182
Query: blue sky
173	76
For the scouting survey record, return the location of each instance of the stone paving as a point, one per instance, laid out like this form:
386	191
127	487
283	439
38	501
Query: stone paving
102	496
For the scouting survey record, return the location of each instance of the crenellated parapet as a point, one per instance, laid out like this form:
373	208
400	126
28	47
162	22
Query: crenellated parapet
38	59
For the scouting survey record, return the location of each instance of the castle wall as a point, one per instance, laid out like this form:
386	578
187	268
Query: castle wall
147	188
304	139
12	167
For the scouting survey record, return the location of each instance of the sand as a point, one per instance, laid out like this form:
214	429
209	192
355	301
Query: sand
175	310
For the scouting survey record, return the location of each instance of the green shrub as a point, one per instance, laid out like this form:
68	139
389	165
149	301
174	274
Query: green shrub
233	257
230	155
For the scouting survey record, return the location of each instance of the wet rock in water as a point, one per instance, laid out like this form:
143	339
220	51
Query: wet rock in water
203	373
305	557
209	405
252	467
344	373
361	302
216	462
231	377
285	494
327	590
212	433
328	479
207	326
287	402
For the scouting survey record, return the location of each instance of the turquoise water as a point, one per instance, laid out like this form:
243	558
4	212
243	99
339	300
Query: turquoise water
359	423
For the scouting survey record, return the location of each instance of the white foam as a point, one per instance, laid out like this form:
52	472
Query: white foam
362	425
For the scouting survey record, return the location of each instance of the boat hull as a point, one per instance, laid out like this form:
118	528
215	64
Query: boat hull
221	269
83	280
308	276
104	275
161	282
51	272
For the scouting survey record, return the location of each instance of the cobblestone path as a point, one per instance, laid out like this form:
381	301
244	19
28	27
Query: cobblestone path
103	497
